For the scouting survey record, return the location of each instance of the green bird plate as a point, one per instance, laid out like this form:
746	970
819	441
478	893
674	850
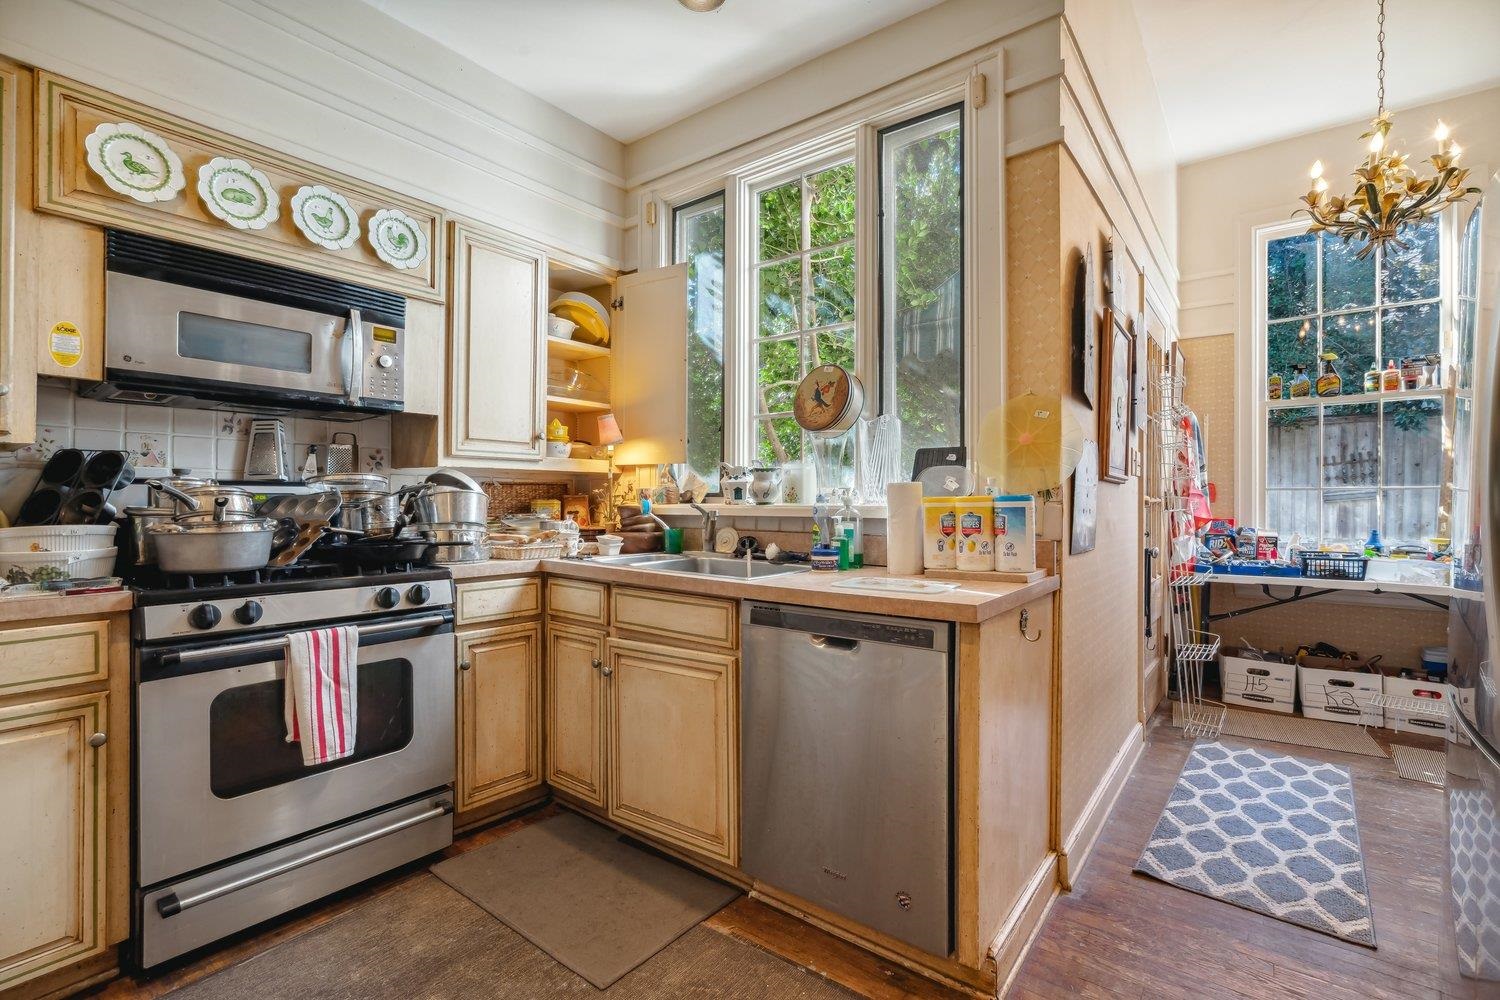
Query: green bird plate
325	217
398	239
238	193
135	162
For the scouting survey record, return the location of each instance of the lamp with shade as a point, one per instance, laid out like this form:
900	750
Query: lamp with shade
609	435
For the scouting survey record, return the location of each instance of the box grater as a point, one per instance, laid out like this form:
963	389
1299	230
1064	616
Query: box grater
341	456
266	458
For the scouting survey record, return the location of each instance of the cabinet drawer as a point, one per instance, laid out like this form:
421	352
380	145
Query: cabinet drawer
700	620
498	600
50	656
578	601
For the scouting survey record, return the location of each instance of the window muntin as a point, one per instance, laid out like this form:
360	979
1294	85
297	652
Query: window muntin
1338	466
921	260
803	277
698	241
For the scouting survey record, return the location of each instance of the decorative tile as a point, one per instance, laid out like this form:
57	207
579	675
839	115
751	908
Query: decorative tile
372	459
48	440
234	424
147	451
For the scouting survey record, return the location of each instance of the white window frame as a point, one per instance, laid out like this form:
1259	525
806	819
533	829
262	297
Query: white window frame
1254	406
974	83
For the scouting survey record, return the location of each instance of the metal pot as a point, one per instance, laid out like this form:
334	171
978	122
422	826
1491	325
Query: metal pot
213	546
380	514
453	543
451	505
142	519
199	503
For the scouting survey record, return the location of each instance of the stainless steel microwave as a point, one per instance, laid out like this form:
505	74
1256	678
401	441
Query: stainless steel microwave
192	327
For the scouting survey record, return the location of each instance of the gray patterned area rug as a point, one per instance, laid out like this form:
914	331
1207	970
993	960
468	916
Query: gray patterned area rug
1272	834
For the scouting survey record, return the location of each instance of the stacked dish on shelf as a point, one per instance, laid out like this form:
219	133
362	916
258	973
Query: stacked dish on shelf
42	553
588	316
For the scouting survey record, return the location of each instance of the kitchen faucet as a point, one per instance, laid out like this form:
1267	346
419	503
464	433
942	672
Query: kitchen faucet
710	525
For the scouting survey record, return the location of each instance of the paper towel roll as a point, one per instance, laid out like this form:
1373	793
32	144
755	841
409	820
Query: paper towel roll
903	529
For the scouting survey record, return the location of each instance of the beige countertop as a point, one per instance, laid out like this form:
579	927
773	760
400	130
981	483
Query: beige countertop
19	610
971	602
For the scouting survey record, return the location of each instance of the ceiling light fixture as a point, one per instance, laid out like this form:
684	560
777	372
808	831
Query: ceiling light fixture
702	6
1388	195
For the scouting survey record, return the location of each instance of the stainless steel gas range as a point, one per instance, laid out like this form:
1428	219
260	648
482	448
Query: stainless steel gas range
231	827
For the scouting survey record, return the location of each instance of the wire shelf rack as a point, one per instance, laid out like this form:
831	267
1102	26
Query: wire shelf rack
1192	647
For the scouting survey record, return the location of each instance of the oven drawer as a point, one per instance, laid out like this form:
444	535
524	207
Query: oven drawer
499	600
51	656
183	915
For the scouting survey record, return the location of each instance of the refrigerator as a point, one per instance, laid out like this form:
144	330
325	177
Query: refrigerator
1473	785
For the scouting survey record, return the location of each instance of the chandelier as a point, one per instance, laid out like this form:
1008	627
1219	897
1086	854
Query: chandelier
1388	194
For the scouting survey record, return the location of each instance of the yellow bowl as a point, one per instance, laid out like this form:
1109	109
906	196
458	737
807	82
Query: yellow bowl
591	329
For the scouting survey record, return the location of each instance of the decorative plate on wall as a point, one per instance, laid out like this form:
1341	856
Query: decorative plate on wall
239	194
135	162
325	217
398	239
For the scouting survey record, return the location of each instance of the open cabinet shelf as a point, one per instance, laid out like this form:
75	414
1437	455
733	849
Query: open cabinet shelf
567	404
574	350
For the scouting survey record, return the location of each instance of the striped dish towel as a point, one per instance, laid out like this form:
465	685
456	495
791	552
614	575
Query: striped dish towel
320	708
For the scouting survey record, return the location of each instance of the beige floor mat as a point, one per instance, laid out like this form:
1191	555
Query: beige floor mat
1295	730
1416	764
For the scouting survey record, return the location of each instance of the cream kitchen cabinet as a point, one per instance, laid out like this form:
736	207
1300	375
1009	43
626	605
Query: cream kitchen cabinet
497	354
673	737
499	714
575	727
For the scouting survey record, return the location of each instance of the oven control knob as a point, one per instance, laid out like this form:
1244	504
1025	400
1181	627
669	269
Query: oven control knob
388	597
385	361
248	613
419	594
204	616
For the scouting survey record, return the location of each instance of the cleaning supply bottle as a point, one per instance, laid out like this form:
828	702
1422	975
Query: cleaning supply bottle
849	533
1391	377
1372	377
1373	545
1273	386
1301	385
1330	382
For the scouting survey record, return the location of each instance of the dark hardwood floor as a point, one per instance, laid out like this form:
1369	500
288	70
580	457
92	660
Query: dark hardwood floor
1118	934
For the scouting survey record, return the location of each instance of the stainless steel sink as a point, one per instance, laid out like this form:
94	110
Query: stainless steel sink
700	564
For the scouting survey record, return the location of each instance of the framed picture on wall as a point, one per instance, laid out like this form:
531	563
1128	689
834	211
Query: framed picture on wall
1085	328
1114	399
1085	500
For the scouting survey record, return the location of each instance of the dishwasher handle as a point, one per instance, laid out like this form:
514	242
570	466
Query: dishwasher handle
833	642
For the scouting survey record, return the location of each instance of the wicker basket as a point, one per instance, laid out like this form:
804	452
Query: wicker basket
530	550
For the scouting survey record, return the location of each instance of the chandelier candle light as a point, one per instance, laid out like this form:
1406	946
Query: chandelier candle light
1388	195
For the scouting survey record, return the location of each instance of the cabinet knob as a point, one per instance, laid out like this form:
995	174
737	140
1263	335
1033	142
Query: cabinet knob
608	670
597	664
464	664
4	388
98	740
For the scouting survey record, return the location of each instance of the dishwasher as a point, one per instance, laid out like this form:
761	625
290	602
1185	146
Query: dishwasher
846	767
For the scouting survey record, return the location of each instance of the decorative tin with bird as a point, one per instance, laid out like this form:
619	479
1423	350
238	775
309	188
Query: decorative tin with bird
829	400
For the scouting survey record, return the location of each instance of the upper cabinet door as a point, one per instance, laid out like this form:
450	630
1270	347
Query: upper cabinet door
498	325
10	83
649	386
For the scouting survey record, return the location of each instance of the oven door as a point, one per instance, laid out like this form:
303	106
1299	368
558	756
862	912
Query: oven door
216	777
190	338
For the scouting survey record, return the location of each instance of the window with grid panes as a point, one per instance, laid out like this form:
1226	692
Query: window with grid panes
804	297
1338	466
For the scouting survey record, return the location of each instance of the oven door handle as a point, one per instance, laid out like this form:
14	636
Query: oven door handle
172	904
269	645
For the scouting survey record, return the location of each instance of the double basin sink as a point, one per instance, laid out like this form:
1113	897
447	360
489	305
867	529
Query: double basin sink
700	564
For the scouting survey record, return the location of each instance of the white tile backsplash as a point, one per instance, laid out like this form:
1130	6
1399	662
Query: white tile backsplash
210	442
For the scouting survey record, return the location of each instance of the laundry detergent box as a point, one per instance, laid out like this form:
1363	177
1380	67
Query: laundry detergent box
1015	533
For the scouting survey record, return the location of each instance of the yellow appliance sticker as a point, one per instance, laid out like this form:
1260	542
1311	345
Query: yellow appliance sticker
66	344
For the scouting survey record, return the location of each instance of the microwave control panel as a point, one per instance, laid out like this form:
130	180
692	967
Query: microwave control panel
383	362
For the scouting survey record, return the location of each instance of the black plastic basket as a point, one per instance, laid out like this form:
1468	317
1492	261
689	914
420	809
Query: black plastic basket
1334	565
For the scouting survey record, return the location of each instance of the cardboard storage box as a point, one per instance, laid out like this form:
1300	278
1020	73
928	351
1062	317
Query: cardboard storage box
1438	693
1339	690
1257	683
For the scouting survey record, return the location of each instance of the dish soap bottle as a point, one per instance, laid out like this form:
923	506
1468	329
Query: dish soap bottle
848	533
1330	383
1301	385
